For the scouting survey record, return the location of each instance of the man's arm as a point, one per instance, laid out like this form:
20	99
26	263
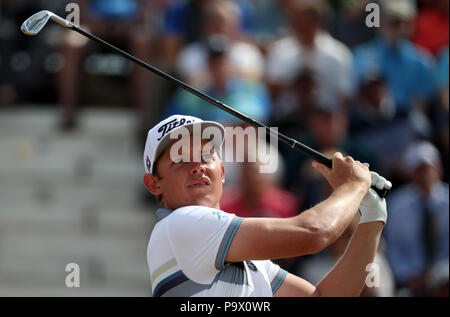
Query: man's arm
312	230
348	276
307	233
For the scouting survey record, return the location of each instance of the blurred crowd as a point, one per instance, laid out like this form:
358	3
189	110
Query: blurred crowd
330	73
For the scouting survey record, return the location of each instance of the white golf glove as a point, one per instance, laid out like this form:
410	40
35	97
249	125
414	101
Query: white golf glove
373	208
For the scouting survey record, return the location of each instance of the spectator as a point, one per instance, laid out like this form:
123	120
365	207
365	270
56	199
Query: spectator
374	103
327	132
248	97
438	111
221	17
266	21
372	122
349	23
294	104
417	232
24	71
408	71
431	26
438	280
184	20
442	143
118	20
309	45
443	75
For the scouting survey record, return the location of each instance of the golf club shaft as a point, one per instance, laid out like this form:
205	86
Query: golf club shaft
319	157
292	143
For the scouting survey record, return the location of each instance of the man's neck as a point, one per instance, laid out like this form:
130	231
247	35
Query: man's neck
307	40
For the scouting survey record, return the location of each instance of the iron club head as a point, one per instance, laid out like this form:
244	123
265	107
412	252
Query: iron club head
34	24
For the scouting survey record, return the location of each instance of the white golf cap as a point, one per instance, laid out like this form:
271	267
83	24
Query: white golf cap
158	137
420	153
402	9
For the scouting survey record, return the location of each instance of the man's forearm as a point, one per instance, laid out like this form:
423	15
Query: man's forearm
348	276
334	214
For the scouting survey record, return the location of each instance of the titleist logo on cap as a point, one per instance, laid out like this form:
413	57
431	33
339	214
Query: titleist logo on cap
169	126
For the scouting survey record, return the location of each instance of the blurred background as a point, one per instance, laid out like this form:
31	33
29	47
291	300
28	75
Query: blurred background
335	76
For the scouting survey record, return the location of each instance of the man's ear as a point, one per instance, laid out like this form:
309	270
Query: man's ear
222	167
151	182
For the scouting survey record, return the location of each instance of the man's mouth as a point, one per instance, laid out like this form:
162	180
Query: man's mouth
200	183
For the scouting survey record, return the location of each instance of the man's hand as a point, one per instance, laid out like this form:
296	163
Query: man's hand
373	208
345	170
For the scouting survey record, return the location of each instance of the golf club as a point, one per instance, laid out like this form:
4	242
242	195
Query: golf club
34	24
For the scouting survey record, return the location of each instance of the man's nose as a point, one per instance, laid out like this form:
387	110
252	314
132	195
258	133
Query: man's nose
197	168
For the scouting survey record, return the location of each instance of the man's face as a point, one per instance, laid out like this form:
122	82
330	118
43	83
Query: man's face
426	176
304	20
221	19
395	29
219	68
184	182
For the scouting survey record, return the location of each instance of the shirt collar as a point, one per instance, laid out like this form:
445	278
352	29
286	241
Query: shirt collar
162	213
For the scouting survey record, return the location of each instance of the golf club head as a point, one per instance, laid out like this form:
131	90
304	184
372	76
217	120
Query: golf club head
34	24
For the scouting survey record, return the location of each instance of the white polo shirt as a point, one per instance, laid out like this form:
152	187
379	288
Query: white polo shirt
186	257
330	59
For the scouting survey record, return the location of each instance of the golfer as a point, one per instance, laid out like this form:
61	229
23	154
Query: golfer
196	249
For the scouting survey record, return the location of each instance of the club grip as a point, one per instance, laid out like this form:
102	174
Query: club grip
383	193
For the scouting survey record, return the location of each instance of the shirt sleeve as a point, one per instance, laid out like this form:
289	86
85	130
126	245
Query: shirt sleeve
276	275
200	238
